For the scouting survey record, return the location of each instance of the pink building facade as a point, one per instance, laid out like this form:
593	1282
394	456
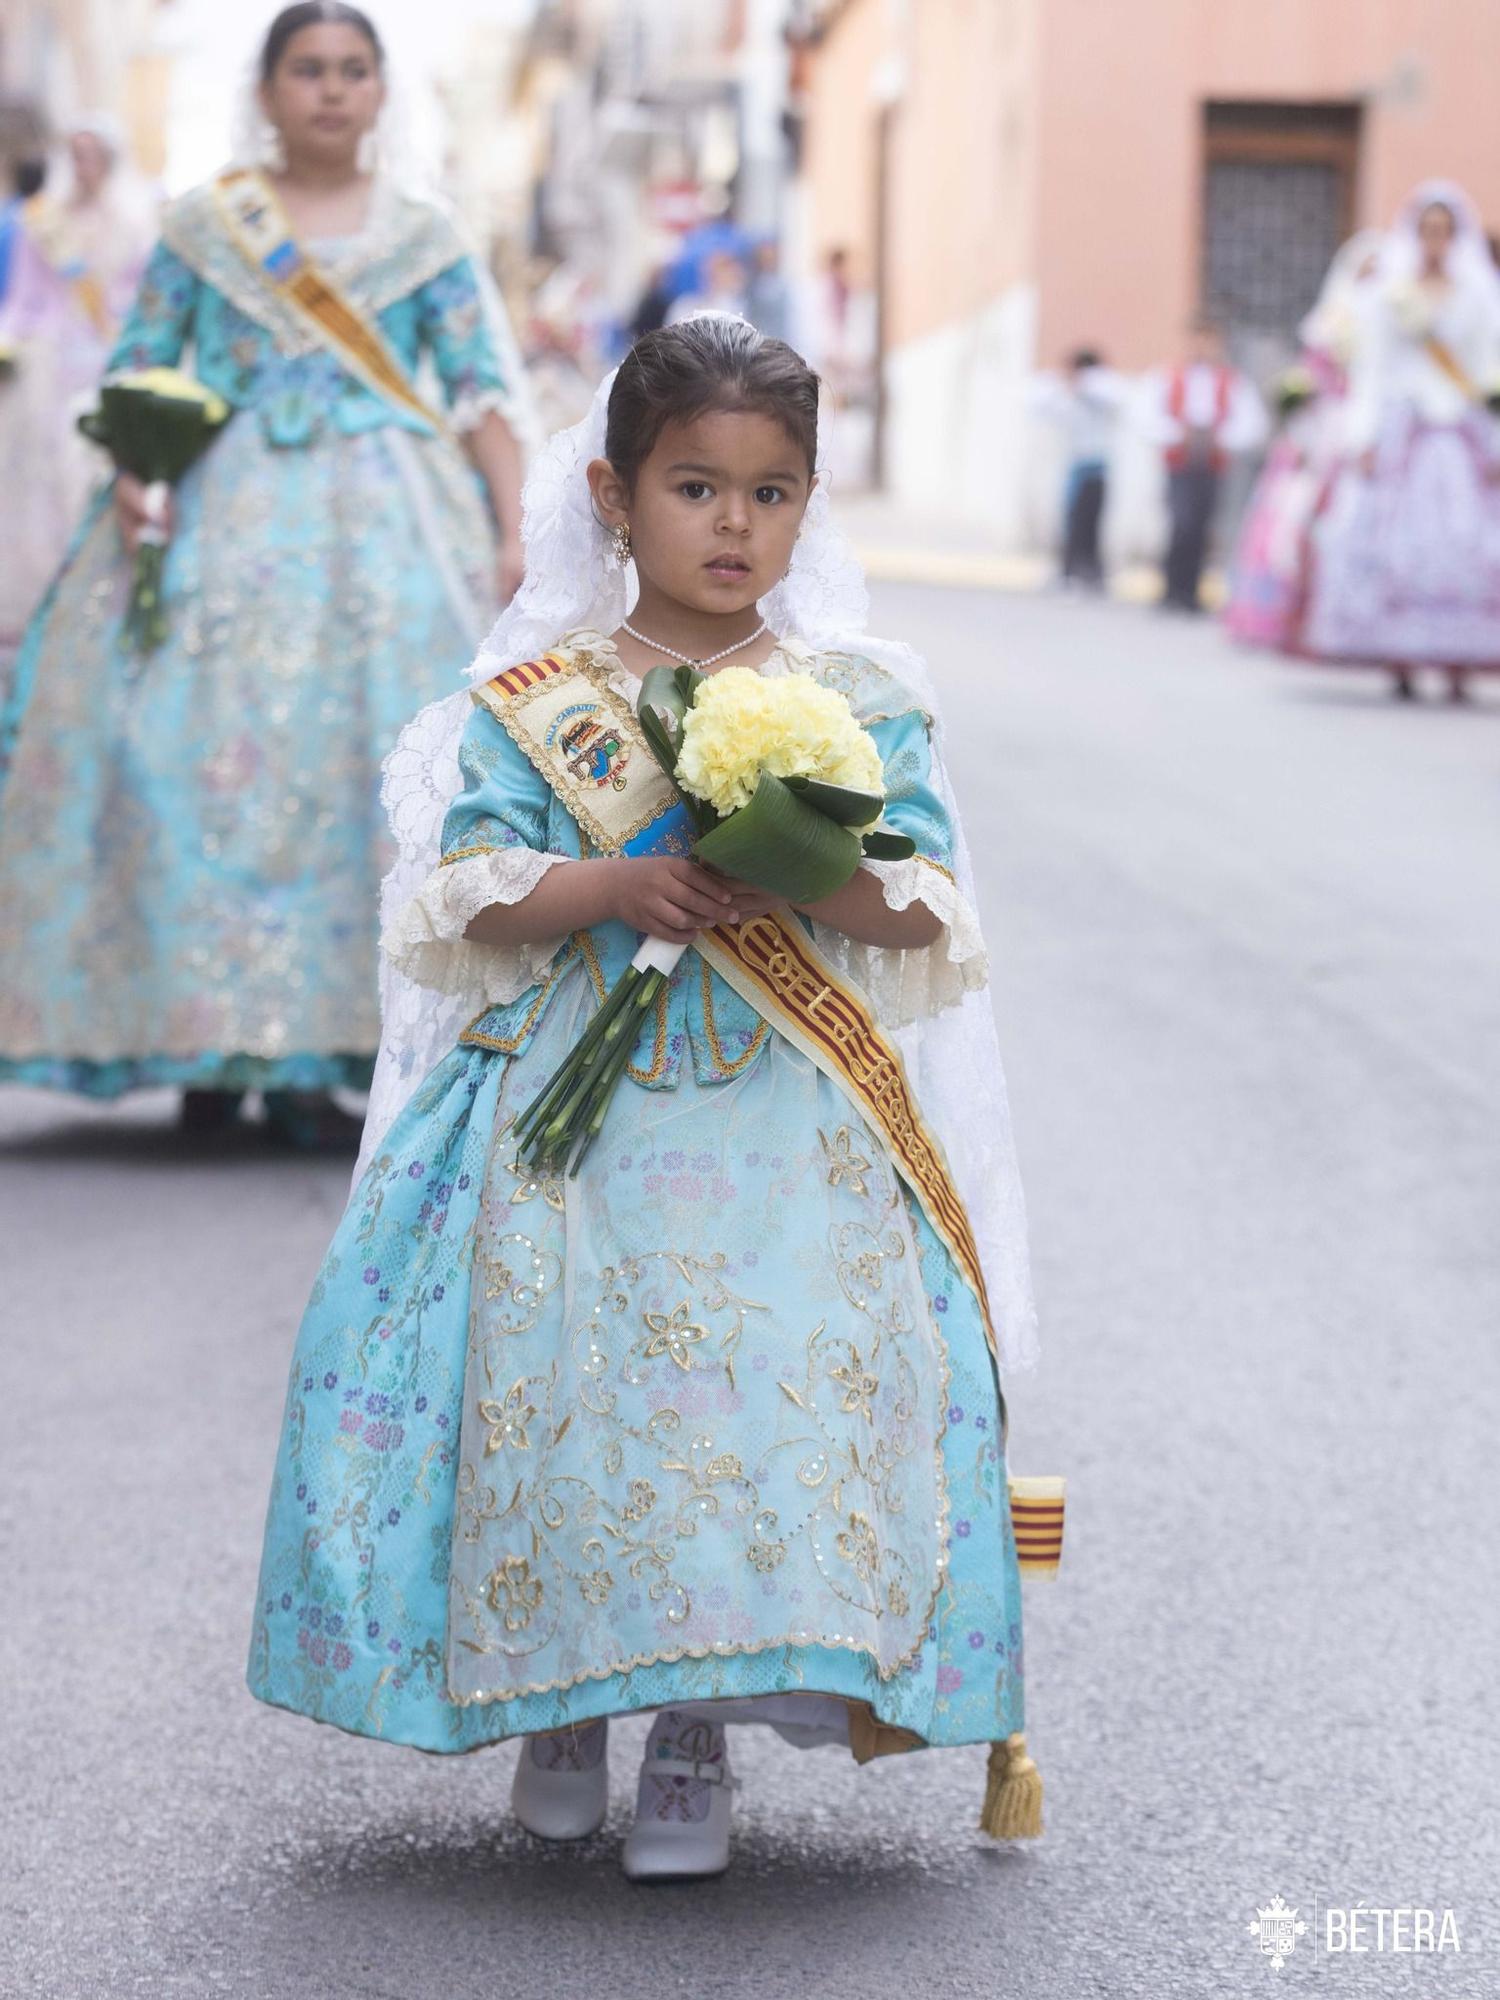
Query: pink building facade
1019	177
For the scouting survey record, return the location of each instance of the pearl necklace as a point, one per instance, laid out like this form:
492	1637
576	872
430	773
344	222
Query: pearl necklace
686	659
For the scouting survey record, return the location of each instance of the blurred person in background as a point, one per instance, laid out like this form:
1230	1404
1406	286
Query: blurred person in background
1406	557
1202	413
725	288
191	838
27	179
1084	402
1268	579
75	260
768	298
654	304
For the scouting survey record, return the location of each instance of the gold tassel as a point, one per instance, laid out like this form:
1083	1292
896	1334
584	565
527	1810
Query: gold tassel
1012	1793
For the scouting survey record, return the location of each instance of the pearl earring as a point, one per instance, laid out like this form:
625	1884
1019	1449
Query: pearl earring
619	535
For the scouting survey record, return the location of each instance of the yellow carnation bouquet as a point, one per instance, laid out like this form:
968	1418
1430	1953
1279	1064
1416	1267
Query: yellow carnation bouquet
779	785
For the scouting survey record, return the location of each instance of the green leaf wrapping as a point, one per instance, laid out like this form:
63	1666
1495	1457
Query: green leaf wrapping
839	802
154	437
781	843
883	845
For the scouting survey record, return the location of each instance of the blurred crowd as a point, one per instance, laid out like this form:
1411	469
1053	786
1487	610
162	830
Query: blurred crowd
1370	533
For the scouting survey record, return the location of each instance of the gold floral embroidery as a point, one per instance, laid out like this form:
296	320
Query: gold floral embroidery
664	1495
858	1383
596	1586
858	1546
844	1162
673	1333
513	1593
508	1420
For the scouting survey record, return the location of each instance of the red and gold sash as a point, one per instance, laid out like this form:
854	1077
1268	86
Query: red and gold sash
258	226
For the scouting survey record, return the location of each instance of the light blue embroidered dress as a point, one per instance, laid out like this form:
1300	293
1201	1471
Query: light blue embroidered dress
715	1420
191	841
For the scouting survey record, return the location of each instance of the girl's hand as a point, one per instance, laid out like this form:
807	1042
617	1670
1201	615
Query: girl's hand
133	514
510	570
749	901
668	898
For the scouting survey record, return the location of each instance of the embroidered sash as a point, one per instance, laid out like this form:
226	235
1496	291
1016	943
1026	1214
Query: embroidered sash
586	742
257	224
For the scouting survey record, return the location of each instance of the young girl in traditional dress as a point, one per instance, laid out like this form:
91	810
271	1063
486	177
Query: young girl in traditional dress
1406	553
713	1428
191	841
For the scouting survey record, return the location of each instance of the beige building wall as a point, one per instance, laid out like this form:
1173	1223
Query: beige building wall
1120	162
1045	187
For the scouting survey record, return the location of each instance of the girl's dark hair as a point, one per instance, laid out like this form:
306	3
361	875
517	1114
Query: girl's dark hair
713	363
314	14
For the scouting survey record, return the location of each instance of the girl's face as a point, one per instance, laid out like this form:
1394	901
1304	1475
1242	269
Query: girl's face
325	93
715	510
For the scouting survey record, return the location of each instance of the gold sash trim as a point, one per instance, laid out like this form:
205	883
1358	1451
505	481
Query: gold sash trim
771	963
258	226
586	741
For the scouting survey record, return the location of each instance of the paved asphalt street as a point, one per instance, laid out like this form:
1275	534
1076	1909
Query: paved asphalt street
1245	925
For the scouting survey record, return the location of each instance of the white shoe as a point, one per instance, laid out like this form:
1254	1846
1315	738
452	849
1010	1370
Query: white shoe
683	1804
561	1787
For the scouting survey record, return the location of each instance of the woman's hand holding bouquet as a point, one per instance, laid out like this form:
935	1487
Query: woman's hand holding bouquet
154	424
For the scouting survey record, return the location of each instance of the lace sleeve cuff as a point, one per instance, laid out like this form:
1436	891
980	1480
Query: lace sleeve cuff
425	940
906	986
469	411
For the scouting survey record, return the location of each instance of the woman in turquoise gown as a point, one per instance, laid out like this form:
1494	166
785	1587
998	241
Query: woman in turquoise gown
717	1419
191	840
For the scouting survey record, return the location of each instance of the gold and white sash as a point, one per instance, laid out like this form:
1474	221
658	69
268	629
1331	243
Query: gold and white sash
257	224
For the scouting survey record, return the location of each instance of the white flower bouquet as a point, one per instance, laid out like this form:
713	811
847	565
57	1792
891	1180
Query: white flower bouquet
781	787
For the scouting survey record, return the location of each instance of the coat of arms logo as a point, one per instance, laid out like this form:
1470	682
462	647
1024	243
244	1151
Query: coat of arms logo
1278	1928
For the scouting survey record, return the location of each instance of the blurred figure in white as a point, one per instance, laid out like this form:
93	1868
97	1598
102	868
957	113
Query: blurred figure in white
1084	401
1267	593
75	260
840	342
726	288
1202	413
1406	557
